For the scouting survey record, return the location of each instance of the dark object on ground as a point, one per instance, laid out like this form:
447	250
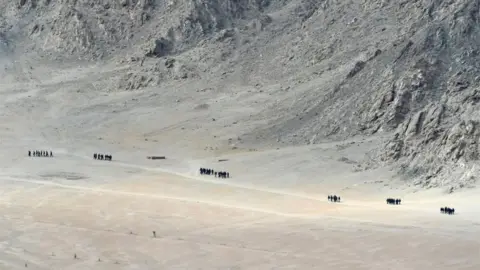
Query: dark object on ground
156	157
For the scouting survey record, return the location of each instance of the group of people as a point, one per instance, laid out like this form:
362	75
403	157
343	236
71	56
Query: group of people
102	156
447	210
443	210
394	201
39	153
213	172
334	198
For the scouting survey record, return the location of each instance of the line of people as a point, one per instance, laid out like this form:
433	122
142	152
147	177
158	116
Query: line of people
443	210
394	201
213	172
102	156
40	153
447	210
334	198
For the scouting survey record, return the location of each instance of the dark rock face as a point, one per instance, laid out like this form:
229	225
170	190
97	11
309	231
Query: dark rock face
162	48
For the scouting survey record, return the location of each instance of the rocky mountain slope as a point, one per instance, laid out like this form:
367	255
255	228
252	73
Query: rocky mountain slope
322	69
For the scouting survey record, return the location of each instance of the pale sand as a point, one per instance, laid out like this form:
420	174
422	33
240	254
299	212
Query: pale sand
272	214
202	223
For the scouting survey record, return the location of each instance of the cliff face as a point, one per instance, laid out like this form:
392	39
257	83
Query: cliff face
93	29
332	69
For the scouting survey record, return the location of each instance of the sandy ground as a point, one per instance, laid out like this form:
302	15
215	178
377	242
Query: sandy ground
105	212
271	214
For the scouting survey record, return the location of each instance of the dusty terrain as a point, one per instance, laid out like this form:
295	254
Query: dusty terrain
301	99
272	212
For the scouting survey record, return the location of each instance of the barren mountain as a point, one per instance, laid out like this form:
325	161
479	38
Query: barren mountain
319	70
